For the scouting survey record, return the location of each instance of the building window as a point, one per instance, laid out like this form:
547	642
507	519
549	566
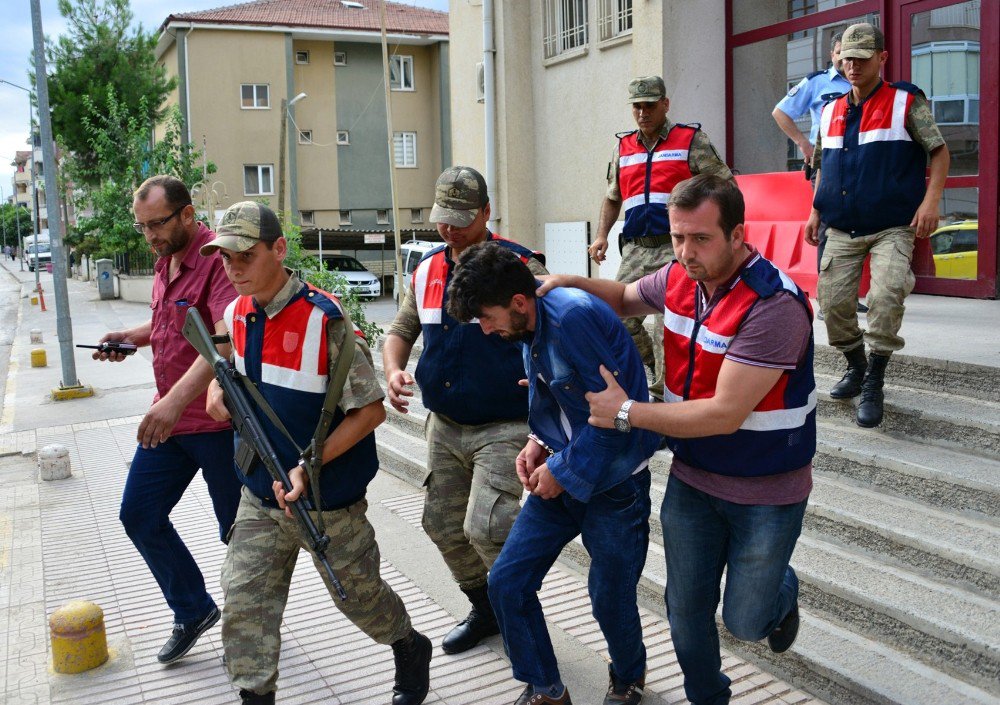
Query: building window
343	137
305	136
257	180
345	217
340	58
405	149
615	19
254	96
302	57
564	26
416	215
401	73
307	217
382	217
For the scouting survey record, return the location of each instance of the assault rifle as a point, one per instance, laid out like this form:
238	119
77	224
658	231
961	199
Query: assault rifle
253	439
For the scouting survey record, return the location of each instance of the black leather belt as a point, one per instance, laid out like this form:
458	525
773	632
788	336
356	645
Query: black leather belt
651	241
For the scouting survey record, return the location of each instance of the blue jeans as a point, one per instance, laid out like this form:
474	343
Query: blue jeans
615	530
701	536
156	480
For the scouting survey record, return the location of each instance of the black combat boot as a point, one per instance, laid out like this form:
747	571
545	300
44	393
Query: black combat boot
850	384
248	697
480	623
870	408
413	669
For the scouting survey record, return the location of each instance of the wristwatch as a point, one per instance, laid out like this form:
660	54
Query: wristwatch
621	420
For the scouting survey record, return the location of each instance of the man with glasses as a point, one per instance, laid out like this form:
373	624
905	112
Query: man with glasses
477	411
176	436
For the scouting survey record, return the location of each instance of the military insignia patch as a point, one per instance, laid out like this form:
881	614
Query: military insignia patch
794	90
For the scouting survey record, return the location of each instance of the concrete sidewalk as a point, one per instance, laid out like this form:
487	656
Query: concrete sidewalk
62	540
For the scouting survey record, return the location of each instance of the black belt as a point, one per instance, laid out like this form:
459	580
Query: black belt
650	241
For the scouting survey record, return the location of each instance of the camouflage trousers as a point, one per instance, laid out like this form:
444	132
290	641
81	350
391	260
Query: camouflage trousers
892	280
637	262
473	494
263	547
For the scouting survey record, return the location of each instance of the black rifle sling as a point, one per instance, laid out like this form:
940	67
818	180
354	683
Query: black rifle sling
334	391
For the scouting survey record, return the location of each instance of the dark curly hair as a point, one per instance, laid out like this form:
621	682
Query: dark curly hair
487	275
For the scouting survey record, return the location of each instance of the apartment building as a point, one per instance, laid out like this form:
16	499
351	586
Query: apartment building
237	66
562	66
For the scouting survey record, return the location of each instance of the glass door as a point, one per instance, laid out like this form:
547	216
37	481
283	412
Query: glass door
949	50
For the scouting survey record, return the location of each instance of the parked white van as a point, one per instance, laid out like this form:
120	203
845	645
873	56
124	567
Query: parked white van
410	255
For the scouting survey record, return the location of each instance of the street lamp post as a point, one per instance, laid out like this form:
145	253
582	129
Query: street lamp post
282	148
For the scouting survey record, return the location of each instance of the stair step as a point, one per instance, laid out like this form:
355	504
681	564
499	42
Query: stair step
976	381
827	659
937	476
958	422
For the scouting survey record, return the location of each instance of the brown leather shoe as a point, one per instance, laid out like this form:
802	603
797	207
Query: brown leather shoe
619	692
529	697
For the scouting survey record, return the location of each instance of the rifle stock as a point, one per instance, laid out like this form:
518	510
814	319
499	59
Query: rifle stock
250	430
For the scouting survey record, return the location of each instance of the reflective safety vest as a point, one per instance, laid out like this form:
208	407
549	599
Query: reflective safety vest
464	374
287	358
646	179
872	171
779	435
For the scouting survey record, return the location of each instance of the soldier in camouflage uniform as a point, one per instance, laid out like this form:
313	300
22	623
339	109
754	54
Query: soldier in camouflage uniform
477	419
871	158
286	337
677	152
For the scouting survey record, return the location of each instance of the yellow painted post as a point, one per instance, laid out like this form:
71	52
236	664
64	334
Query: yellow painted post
38	358
78	640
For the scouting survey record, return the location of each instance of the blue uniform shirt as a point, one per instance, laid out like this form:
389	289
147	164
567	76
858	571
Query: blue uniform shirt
812	93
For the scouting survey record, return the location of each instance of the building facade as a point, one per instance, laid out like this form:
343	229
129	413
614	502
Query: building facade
235	68
562	67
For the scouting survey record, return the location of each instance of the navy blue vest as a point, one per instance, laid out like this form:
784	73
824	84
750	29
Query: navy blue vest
344	480
464	374
872	172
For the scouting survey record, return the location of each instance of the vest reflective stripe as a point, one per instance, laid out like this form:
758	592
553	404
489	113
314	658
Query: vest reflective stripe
284	362
684	326
776	419
429	281
883	121
646	179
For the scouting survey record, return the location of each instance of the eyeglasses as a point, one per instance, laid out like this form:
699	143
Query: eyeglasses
156	224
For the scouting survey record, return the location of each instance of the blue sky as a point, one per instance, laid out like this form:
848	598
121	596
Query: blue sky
15	51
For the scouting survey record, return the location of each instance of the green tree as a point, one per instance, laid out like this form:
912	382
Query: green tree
10	218
125	156
98	56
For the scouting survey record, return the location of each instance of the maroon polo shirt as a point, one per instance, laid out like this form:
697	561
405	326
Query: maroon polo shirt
200	282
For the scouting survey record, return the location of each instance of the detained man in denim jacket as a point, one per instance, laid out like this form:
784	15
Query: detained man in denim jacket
583	480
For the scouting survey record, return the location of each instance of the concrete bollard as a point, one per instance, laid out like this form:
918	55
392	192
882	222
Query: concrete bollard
53	463
78	640
36	336
38	358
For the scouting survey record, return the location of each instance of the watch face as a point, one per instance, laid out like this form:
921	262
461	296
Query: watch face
623	425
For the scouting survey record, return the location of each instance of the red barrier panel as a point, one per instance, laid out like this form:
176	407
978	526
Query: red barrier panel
777	208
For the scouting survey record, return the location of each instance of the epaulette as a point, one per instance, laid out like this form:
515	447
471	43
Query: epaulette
814	74
619	135
908	87
431	253
323	301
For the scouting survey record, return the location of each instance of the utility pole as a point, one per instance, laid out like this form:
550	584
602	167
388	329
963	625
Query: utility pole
398	276
70	386
285	105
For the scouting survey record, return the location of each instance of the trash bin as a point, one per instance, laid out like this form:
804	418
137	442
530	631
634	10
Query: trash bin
48	267
105	279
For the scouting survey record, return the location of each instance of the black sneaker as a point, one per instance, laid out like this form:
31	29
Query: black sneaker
783	636
184	636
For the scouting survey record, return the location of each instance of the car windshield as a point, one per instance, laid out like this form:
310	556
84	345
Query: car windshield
343	263
40	247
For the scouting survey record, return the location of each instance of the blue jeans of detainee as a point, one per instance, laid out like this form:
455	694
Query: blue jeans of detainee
702	535
156	481
614	526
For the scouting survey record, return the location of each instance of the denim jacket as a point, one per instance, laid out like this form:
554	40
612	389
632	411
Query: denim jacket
575	333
